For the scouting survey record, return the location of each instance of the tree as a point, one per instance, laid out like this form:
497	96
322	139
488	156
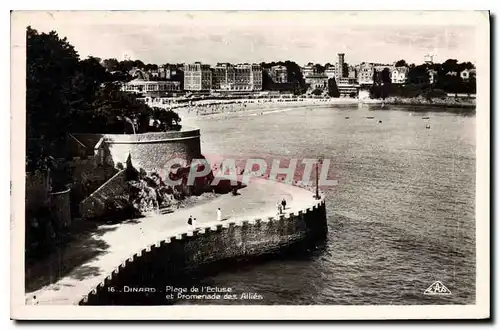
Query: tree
450	65
150	67
64	94
401	63
317	92
51	63
165	119
418	74
385	78
375	77
110	64
267	81
319	68
333	90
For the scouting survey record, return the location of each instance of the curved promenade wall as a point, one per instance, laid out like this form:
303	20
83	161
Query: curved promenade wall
203	246
151	151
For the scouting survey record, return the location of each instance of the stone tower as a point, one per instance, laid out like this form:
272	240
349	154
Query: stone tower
340	66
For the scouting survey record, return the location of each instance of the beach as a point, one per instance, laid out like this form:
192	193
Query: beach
226	106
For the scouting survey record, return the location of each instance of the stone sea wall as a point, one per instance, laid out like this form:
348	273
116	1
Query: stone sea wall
224	241
151	151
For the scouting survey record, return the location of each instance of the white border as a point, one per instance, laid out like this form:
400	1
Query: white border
480	310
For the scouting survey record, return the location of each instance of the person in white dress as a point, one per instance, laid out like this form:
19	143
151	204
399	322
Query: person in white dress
219	215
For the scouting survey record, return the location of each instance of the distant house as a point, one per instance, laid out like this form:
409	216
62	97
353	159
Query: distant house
139	74
348	86
308	69
317	81
331	71
399	75
279	74
432	76
152	88
366	70
467	74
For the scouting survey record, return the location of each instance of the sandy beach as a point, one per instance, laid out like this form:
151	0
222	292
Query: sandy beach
250	106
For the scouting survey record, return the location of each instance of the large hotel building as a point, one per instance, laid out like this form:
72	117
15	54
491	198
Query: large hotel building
224	77
197	77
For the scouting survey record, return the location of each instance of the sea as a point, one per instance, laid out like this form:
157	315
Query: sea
400	218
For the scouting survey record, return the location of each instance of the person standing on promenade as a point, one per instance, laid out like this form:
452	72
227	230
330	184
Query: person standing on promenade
190	222
219	215
283	203
194	223
280	209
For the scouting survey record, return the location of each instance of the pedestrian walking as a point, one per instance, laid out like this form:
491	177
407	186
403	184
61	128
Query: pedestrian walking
194	223
280	208
283	203
190	222
219	215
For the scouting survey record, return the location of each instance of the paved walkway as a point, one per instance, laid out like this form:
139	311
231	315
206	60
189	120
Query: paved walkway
74	275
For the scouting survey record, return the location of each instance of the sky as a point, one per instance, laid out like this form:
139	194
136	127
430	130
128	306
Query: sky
254	37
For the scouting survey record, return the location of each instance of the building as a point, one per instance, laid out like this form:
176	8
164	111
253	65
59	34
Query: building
308	69
341	73
365	73
467	74
366	70
399	75
352	72
167	71
256	71
317	81
197	77
152	88
237	78
222	75
137	73
279	74
432	76
331	71
348	87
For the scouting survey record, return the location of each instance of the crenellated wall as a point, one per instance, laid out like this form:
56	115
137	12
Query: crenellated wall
222	241
150	151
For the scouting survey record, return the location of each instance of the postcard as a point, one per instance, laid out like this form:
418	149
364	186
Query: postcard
250	165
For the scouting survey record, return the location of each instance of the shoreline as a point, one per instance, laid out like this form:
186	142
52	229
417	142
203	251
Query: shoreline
436	102
217	107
